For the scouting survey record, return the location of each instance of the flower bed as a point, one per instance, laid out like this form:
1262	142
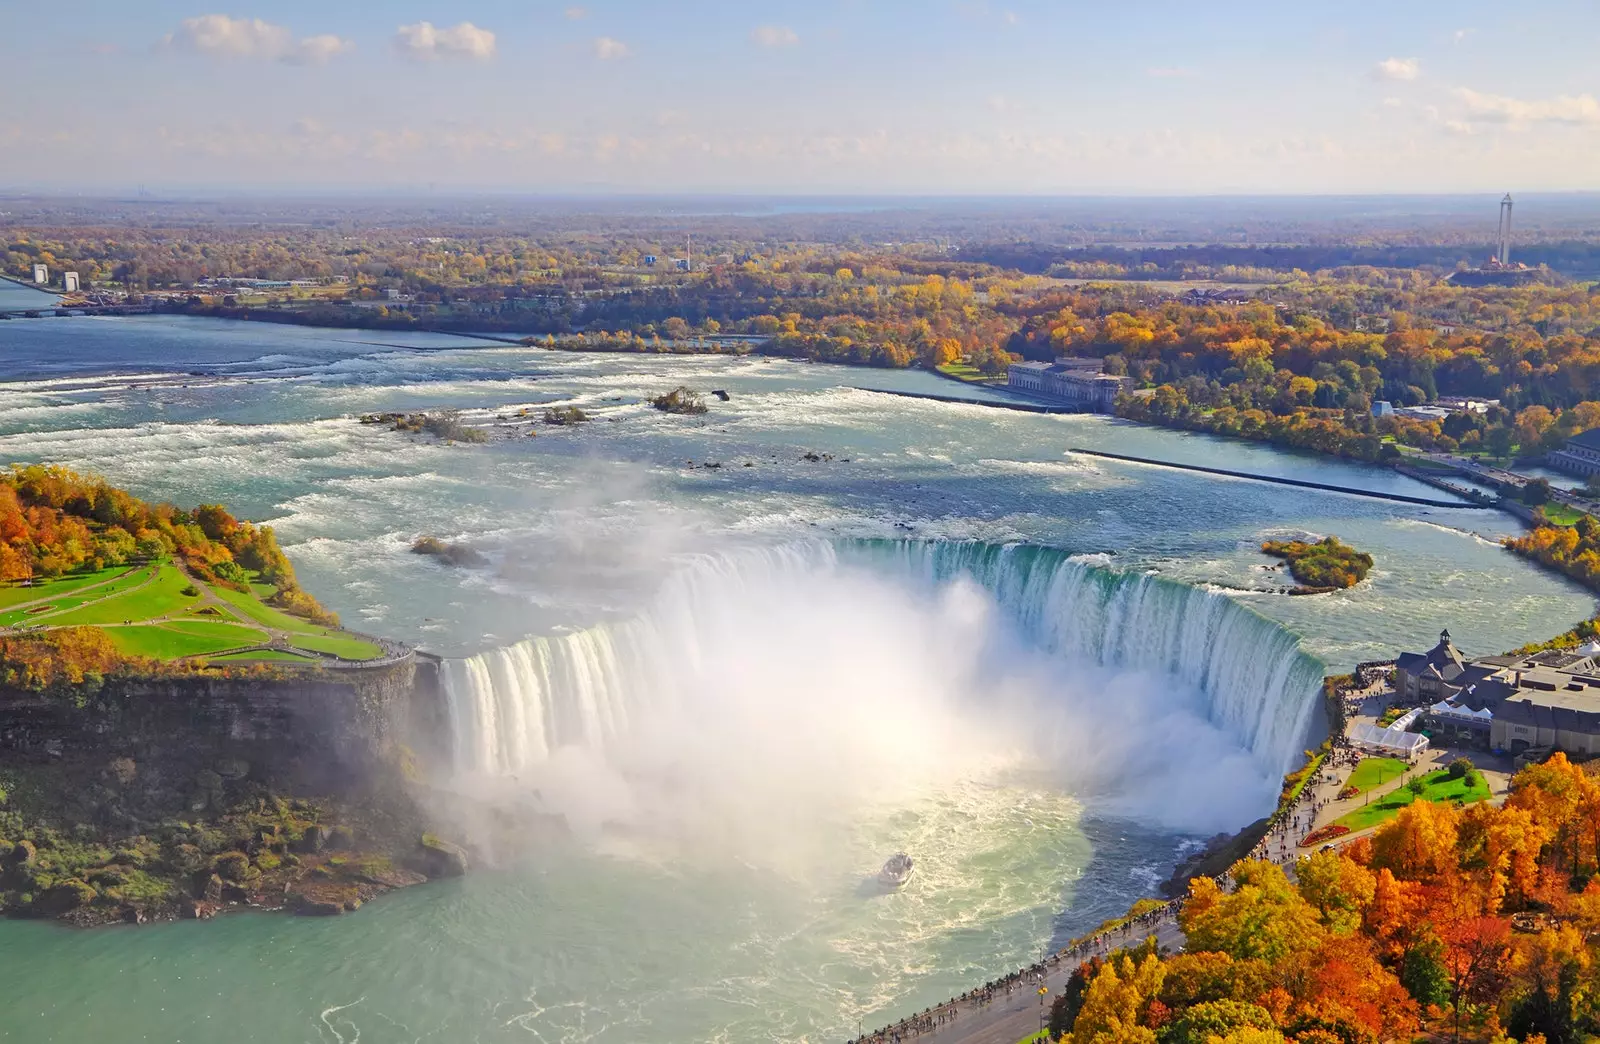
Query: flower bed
1321	834
1349	792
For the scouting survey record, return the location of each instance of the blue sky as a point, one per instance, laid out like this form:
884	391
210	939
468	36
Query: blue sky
826	96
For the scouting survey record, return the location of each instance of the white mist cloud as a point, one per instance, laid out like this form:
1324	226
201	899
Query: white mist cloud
766	699
606	49
423	41
222	36
1401	70
774	36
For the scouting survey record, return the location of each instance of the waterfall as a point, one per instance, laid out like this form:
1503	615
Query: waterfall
510	707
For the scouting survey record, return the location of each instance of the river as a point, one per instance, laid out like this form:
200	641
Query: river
877	623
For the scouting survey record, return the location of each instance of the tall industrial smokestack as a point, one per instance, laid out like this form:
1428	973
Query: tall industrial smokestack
1504	255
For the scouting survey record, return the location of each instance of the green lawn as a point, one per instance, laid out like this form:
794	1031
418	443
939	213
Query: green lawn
254	609
1440	788
306	635
164	643
1373	771
162	597
267	655
338	645
970	374
76	597
1562	515
16	594
164	623
237	634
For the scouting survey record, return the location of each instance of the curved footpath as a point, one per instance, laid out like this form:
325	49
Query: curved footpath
1013	1009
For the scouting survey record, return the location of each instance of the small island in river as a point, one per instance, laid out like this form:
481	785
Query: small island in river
1326	565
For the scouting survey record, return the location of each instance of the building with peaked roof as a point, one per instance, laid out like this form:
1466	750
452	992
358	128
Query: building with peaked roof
1510	703
1429	675
1580	456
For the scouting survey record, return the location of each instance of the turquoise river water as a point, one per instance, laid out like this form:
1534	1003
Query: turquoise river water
877	623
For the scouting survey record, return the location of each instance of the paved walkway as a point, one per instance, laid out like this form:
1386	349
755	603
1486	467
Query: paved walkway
1010	1011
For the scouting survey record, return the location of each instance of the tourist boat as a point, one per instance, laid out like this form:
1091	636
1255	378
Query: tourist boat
897	871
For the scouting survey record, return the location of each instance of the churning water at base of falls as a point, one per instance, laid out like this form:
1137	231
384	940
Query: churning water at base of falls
891	667
741	684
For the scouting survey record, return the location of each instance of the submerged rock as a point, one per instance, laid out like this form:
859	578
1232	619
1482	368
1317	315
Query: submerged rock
440	858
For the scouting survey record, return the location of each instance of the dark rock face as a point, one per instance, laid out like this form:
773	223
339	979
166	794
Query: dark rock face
261	769
24	854
63	898
439	858
319	908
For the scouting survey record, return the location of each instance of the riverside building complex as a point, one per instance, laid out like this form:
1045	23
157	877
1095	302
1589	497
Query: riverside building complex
1548	700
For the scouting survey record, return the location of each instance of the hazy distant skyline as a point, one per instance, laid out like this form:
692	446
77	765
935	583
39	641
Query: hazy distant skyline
831	96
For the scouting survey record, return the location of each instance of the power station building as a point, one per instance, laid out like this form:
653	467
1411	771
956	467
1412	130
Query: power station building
1073	382
1580	456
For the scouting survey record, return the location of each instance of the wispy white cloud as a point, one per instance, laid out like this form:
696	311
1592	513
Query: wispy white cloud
1392	103
1168	72
774	36
424	42
575	14
1571	110
607	49
222	36
1461	34
317	50
1398	69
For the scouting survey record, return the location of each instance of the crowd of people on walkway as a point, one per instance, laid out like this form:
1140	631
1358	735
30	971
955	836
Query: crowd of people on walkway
1029	979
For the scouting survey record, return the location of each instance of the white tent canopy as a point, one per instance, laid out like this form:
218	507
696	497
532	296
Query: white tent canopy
1392	740
1446	709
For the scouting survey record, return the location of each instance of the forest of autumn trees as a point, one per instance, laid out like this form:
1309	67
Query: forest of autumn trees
1407	930
1301	366
54	522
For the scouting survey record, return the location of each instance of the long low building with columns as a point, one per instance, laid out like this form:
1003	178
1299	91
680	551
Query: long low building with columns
1075	382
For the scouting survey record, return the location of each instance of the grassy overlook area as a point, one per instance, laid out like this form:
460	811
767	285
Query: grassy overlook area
94	582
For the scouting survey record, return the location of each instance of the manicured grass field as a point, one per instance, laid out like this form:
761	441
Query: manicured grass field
162	597
338	645
163	643
260	656
1373	771
1562	515
81	594
306	635
252	609
1441	788
236	634
970	374
146	612
16	594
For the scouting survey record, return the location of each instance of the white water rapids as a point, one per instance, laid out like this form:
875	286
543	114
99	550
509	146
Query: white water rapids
843	672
